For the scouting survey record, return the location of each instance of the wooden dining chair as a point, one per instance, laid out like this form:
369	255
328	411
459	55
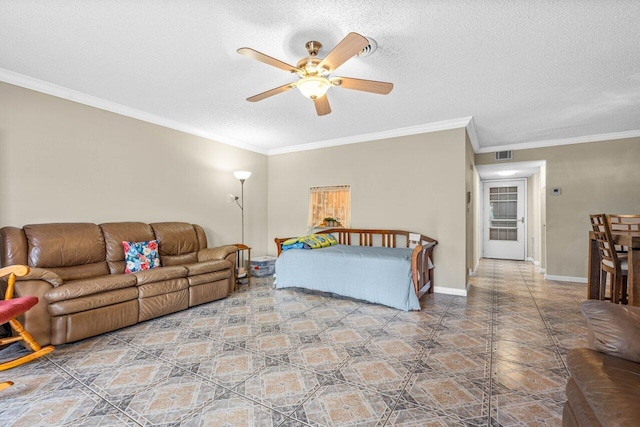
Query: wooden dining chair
612	263
623	223
10	308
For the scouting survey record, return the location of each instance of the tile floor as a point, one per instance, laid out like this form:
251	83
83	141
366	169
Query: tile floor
265	357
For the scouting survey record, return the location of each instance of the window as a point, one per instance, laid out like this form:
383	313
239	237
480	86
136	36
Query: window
330	202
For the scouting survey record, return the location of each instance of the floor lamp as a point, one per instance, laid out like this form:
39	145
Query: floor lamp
242	176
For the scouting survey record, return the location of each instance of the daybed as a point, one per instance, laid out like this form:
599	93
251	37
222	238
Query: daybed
389	267
604	387
77	273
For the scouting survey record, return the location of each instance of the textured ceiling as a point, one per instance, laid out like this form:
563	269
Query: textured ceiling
526	71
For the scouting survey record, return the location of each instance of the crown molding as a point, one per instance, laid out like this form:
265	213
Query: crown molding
565	141
473	136
93	101
394	133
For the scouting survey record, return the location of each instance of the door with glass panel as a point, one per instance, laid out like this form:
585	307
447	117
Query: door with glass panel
504	219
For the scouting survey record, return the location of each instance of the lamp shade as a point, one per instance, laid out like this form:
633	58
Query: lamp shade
313	87
242	175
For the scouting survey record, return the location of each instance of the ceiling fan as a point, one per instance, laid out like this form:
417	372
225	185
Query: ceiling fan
314	73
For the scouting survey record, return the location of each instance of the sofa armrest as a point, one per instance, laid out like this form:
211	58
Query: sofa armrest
613	329
36	273
37	320
221	252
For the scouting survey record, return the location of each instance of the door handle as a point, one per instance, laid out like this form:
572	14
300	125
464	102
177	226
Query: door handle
522	220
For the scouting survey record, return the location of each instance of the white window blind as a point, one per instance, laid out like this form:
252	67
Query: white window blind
330	202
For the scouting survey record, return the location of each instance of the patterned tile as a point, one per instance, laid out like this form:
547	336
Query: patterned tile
363	321
232	410
531	381
394	348
293	357
527	354
344	336
170	400
231	367
303	326
447	394
274	343
282	387
531	413
319	357
381	375
60	408
344	405
457	363
234	332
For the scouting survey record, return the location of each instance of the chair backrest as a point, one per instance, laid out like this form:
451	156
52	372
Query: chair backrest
624	222
602	232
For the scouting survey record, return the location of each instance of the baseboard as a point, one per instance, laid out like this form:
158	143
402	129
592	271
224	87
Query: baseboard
450	291
532	261
542	270
474	272
565	278
536	262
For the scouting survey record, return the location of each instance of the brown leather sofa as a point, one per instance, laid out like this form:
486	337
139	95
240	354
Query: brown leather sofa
604	388
77	273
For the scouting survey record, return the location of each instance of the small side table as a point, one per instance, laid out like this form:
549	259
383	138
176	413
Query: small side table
242	247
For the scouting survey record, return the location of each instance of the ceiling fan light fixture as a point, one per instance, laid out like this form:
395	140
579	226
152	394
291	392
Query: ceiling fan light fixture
313	87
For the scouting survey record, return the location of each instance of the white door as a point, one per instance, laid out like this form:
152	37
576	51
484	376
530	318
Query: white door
504	219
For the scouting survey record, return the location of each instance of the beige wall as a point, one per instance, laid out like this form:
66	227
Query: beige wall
534	218
594	178
415	183
63	161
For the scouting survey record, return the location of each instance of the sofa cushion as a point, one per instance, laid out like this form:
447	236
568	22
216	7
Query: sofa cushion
140	256
178	242
117	232
103	299
610	385
162	288
71	250
160	274
64	245
613	329
215	276
81	288
79	272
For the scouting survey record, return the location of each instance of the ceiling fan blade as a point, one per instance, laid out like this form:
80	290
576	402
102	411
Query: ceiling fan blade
322	105
259	56
271	92
349	46
372	86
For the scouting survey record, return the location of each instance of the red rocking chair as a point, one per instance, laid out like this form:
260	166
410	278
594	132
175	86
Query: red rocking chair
10	308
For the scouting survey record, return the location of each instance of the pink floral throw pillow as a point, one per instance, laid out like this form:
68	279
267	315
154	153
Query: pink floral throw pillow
140	256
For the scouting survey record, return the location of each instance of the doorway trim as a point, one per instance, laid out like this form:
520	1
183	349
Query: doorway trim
483	217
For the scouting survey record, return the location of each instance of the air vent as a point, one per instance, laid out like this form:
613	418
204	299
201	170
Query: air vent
368	49
503	155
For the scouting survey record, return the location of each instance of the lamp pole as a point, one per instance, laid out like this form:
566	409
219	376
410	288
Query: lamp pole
242	176
242	206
